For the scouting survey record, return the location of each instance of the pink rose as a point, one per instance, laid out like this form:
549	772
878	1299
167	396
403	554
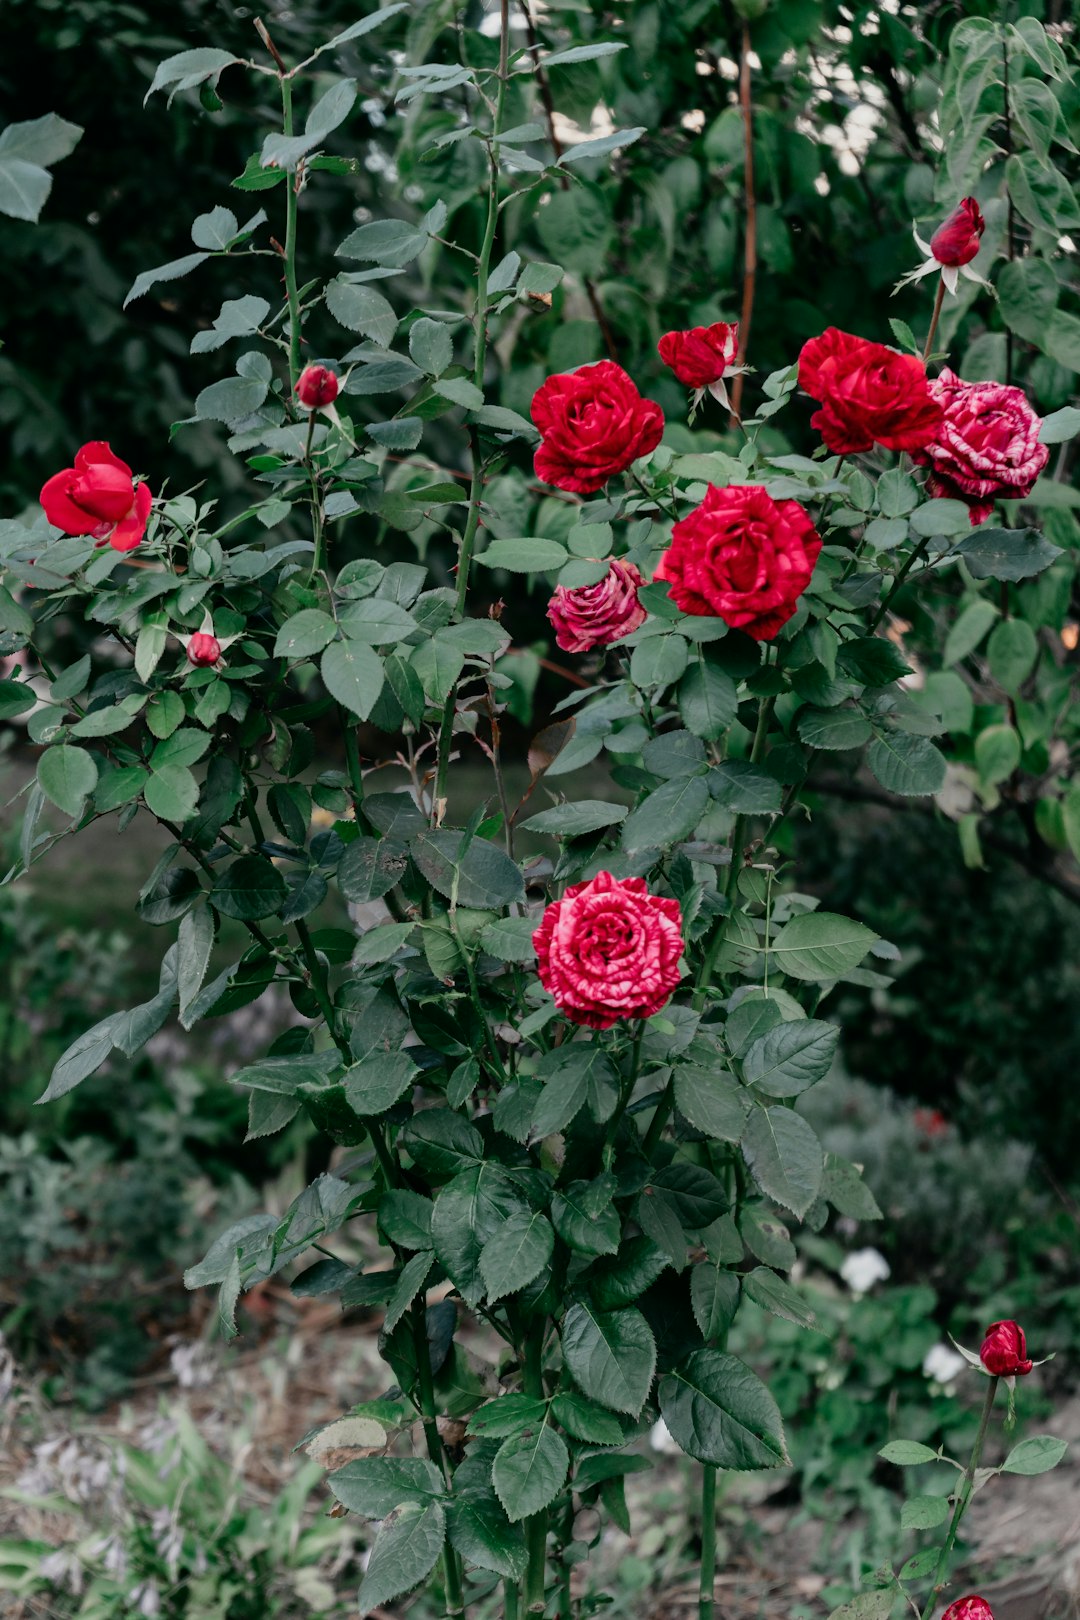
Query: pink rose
609	949
742	557
593	424
969	1608
98	496
987	446
593	615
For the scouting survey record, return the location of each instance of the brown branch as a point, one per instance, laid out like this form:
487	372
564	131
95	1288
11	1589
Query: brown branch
750	238
548	103
1033	860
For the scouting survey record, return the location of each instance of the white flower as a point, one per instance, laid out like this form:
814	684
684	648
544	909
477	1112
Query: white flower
863	1268
660	1438
942	1364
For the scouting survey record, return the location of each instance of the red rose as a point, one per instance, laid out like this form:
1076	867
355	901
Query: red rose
98	496
594	615
957	241
743	557
609	949
593	423
701	355
317	386
969	1608
203	649
868	394
1004	1350
987	445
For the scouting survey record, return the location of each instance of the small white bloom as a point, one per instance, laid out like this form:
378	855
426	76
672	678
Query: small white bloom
660	1439
943	1364
863	1268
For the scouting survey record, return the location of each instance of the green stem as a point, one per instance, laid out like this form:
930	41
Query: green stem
480	347
510	1600
536	1526
291	292
963	1497
935	317
707	1582
318	523
474	994
455	1604
624	1096
897	583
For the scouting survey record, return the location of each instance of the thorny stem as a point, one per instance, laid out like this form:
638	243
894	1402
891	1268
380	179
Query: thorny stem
963	1497
901	576
536	1525
750	238
455	1604
291	291
1010	228
935	317
480	346
625	1095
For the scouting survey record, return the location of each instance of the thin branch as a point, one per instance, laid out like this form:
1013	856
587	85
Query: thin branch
750	235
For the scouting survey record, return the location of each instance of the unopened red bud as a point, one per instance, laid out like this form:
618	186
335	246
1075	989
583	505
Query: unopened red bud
203	649
957	241
1004	1350
317	386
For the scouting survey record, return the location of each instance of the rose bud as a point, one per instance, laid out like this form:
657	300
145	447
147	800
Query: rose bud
969	1608
593	423
987	447
958	240
609	949
1004	1351
702	357
203	649
98	496
588	616
316	387
951	248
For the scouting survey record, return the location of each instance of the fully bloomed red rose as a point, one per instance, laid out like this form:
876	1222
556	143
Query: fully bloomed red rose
609	949
98	496
589	616
317	386
958	239
1004	1351
987	445
869	394
593	423
742	557
969	1608
702	354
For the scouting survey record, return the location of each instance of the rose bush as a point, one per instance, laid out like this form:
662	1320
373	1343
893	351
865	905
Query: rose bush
566	1087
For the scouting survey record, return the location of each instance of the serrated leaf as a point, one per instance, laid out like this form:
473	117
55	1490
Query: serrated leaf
785	1157
529	1471
611	1355
721	1413
790	1057
406	1549
353	675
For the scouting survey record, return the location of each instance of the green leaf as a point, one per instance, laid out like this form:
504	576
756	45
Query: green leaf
360	308
570	820
906	764
833	728
997	753
252	887
785	1157
721	1413
1060	425
391	242
790	1057
376	621
374	1486
509	939
601	145
484	875
611	1355
714	1297
406	1549
573	1074
659	661
188	68
468	1211
820	945
586	1217
867	1606
585	1420
924	1512
580	53
776	1295
370	867
171	792
667	816
82	1057
707	699
1035	1455
846	1190
507	1415
524	556
745	788
1028	292
353	675
516	1254
375	1083
907	1453
1009	554
968	631
16	698
306	632
712	1101
1012	651
195	942
67	776
479	1530
529	1471
431	346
